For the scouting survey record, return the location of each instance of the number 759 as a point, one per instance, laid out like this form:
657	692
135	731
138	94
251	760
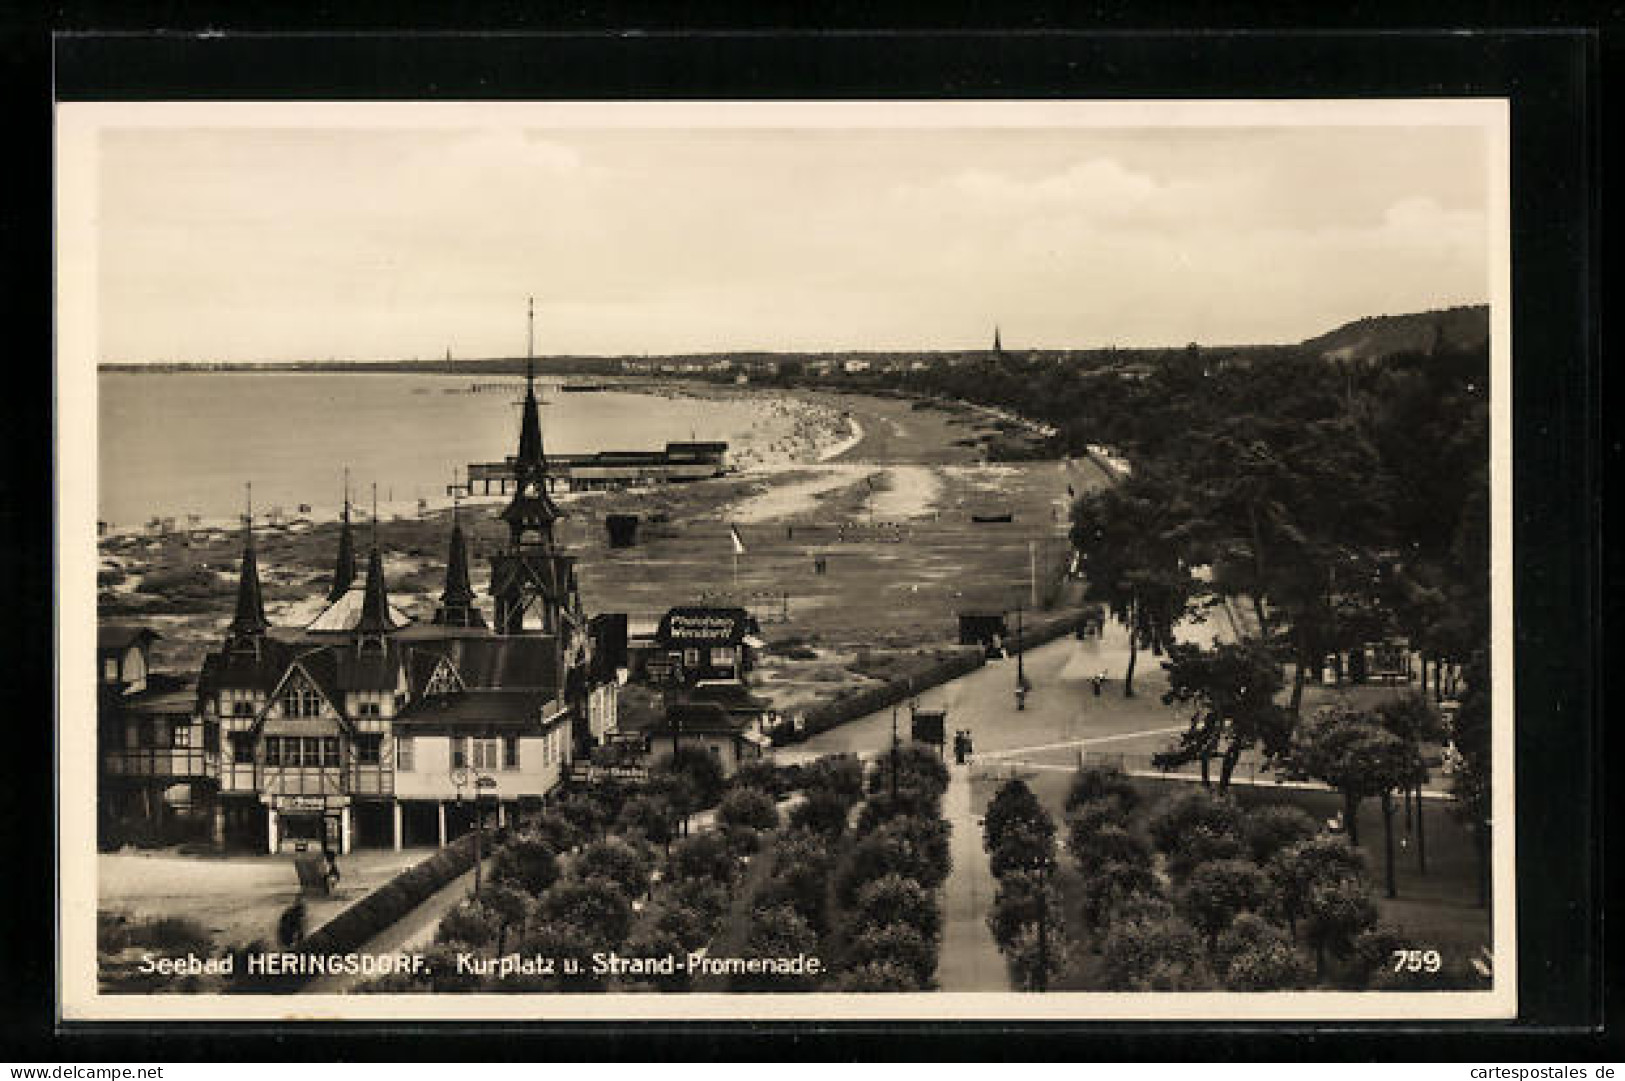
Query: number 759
1417	961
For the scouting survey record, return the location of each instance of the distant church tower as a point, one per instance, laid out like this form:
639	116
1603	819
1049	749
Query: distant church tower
533	583
998	347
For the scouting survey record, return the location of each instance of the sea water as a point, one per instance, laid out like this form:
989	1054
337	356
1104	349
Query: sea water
185	443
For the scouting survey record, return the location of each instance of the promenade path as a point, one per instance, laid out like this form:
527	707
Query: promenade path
970	958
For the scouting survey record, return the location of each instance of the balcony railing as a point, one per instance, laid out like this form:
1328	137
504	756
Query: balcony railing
161	762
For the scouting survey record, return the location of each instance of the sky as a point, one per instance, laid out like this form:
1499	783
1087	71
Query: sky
285	243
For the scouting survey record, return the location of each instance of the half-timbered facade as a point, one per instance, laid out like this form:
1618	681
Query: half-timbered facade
367	727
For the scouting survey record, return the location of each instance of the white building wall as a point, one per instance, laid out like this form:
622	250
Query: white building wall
542	762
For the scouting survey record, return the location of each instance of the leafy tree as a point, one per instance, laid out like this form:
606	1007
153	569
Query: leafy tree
1094	783
657	942
823	811
1296	870
704	896
896	899
1013	802
1196	827
703	856
586	814
878	976
917	768
1086	821
1273	827
1337	912
526	862
1024	845
468	924
760	774
699	768
1371	962
510	907
595	907
1023	899
777	933
552	829
1253	955
1151	954
1133	559
652	817
1359	758
1117	887
748	807
571	948
899	944
1233	688
686	926
1470	783
1110	844
1038	955
617	861
1217	892
883	806
841	775
900	847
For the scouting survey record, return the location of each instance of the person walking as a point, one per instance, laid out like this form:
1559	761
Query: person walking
1098	682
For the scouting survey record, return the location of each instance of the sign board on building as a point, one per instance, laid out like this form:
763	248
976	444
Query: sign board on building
584	773
296	804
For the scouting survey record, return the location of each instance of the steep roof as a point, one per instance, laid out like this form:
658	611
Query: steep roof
250	616
475	711
344	614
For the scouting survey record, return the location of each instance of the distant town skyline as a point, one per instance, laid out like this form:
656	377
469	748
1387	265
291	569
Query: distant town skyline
283	243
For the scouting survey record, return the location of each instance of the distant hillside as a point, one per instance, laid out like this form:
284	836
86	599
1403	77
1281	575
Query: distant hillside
1378	336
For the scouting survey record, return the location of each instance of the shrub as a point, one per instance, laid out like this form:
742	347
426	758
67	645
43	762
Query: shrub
1372	961
571	951
749	807
1217	892
742	841
1274	827
898	944
1146	954
553	830
1253	955
508	906
617	861
1095	784
704	896
651	817
1203	845
895	899
595	907
586	815
526	862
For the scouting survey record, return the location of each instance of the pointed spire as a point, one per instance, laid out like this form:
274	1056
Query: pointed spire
249	621
998	347
344	569
457	602
375	618
530	427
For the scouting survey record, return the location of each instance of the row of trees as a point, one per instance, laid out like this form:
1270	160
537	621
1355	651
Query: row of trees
1026	920
887	885
1209	894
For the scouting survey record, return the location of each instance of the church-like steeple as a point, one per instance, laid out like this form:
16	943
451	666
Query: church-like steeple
531	513
998	346
457	607
249	624
375	622
344	569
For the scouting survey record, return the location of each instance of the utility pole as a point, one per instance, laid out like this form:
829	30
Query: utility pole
1032	570
1021	670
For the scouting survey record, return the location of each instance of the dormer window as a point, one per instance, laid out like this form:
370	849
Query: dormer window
300	699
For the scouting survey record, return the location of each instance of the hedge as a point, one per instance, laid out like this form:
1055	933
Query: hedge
388	904
850	705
